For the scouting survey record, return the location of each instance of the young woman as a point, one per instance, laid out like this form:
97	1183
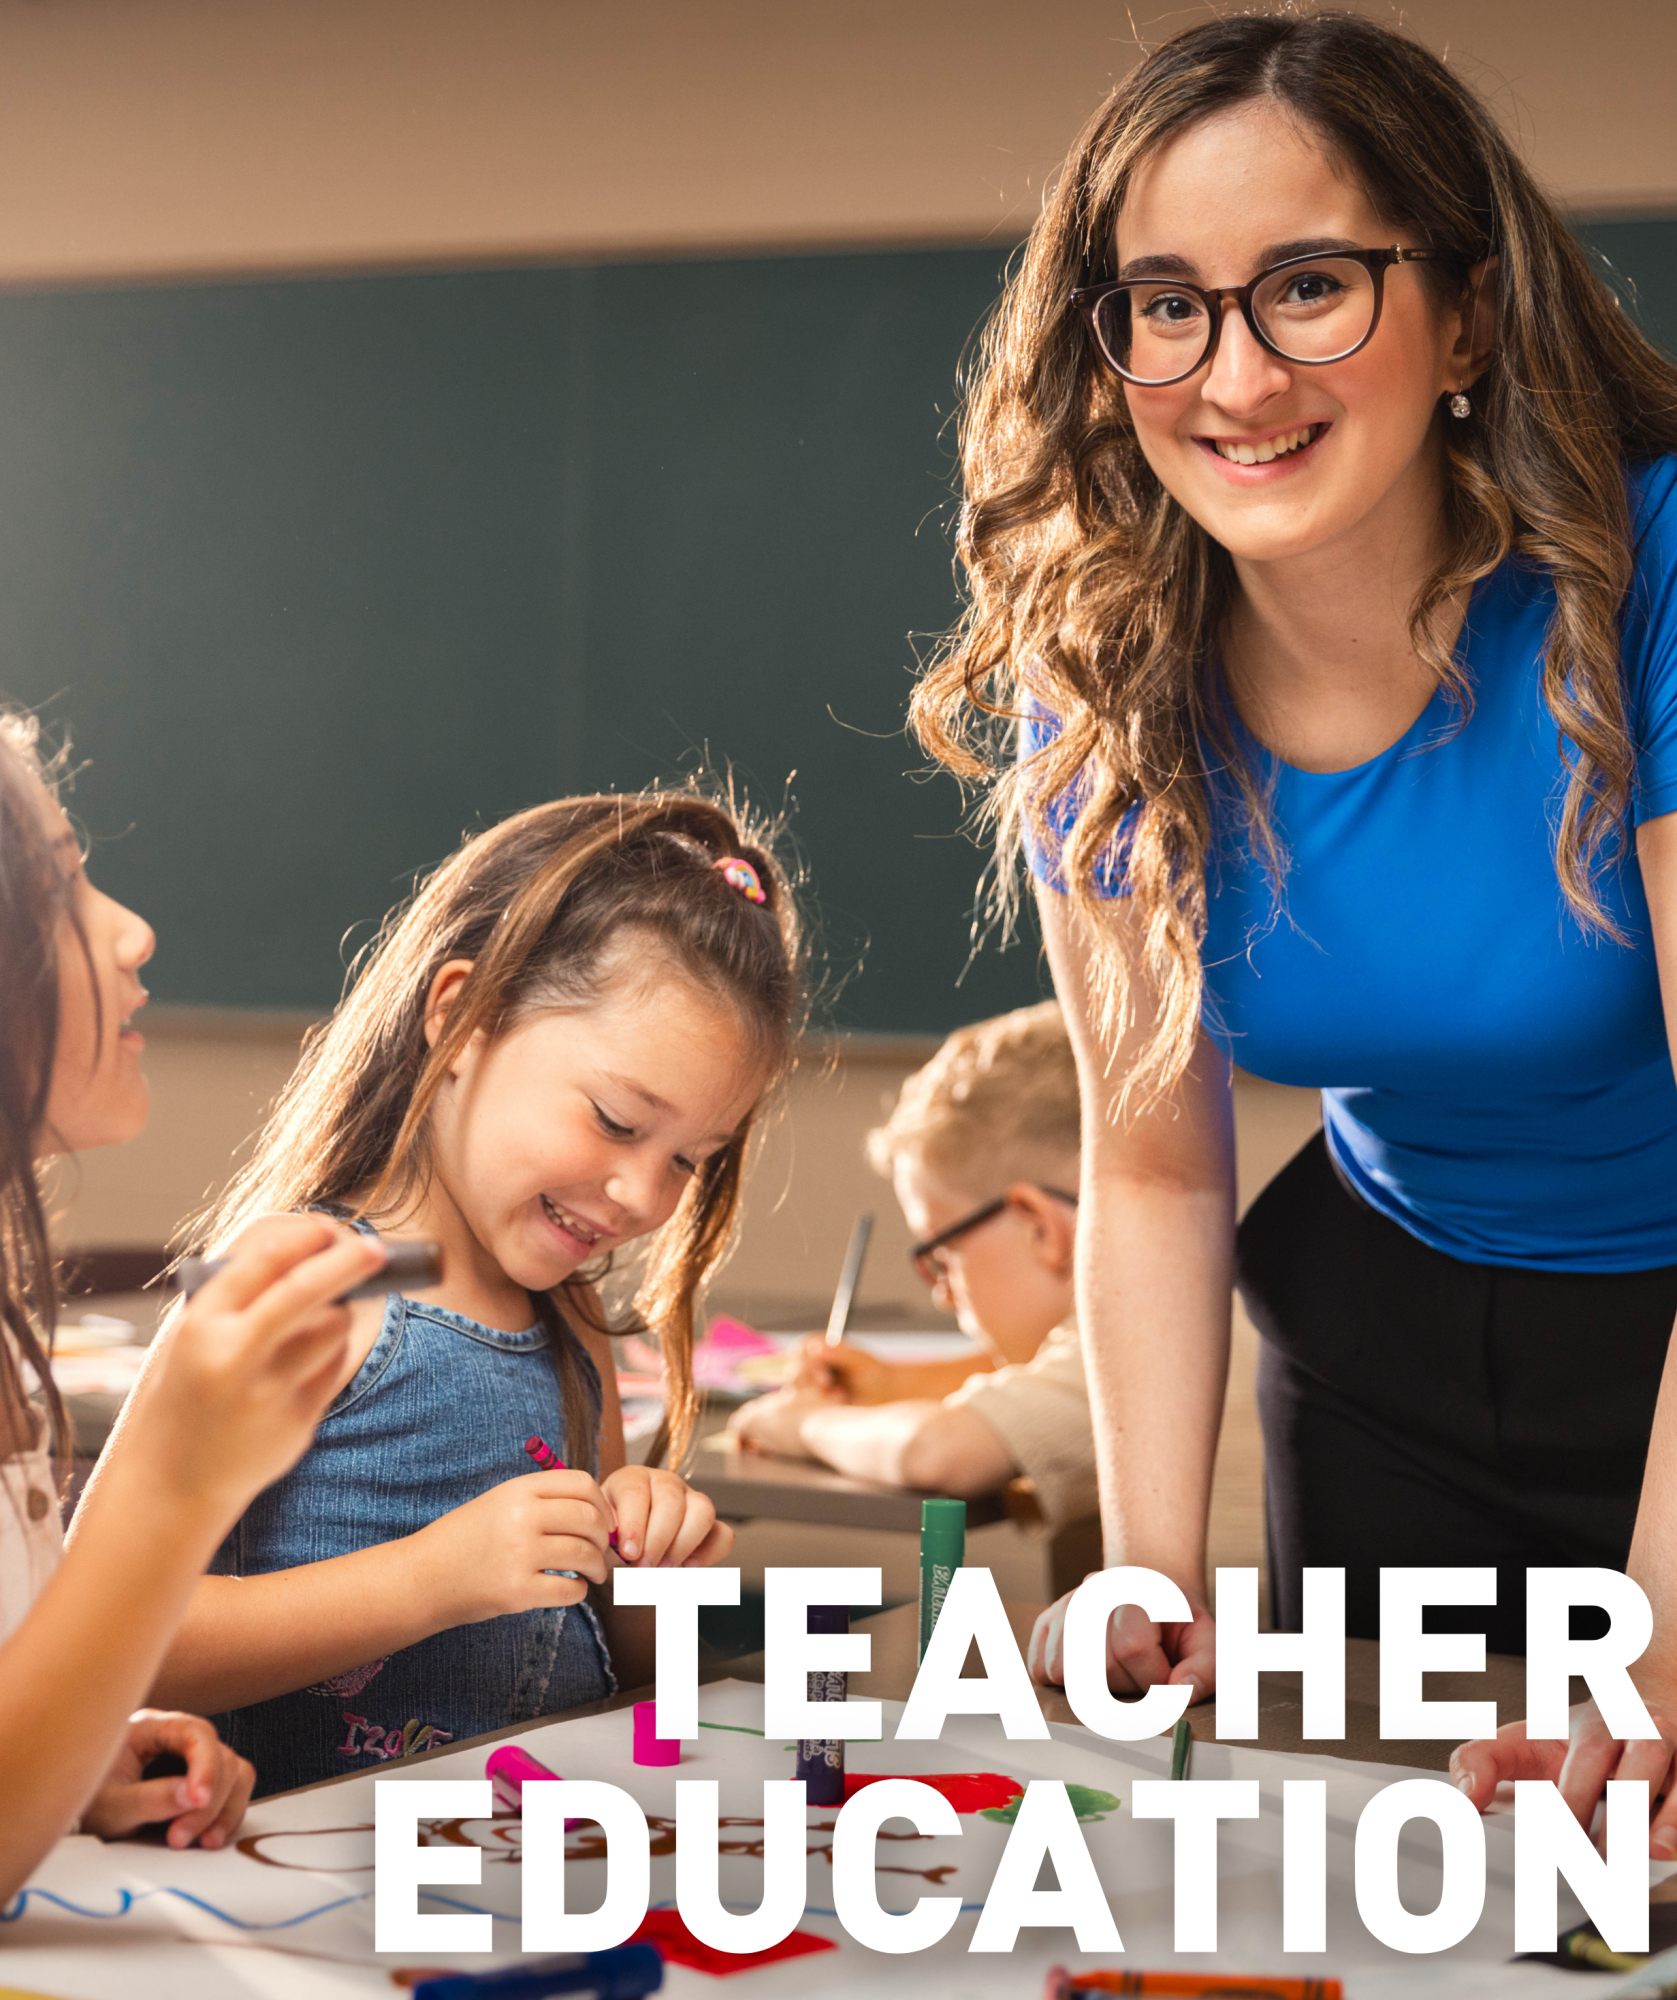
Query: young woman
1320	528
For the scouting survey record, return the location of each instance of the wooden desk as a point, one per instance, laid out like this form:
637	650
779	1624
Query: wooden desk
747	1485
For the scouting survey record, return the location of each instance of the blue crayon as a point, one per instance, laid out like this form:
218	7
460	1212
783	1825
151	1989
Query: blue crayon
624	1974
821	1765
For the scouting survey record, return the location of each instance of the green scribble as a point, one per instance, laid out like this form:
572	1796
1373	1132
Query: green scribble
1090	1806
738	1728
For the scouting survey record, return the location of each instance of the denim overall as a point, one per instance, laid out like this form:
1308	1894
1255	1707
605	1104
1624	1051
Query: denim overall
436	1414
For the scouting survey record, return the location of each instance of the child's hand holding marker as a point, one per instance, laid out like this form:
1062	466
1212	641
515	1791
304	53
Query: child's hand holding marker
525	1544
235	1384
661	1521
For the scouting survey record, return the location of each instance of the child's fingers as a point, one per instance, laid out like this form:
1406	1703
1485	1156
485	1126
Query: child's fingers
716	1547
632	1502
210	1824
698	1518
576	1552
226	1822
120	1809
153	1732
668	1509
261	1254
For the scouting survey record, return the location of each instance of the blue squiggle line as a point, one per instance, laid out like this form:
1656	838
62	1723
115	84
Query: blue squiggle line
20	1906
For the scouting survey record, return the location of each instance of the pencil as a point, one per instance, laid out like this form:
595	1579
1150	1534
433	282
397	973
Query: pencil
1181	1748
839	1318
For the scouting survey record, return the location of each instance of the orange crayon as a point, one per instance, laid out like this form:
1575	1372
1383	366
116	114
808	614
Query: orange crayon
1063	1985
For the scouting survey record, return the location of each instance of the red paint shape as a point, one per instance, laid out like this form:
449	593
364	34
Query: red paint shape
665	1930
966	1791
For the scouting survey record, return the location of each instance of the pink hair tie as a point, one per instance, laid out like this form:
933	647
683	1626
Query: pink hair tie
742	876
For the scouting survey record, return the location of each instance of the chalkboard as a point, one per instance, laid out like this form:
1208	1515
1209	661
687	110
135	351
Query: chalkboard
322	572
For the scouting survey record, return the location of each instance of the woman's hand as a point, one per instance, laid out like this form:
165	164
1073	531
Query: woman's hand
1580	1766
236	1382
775	1423
205	1803
1139	1653
662	1522
845	1374
498	1552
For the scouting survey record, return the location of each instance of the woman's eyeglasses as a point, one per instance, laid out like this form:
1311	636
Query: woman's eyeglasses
927	1257
1312	310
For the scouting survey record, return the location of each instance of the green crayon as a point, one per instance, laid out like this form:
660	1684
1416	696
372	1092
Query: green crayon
943	1545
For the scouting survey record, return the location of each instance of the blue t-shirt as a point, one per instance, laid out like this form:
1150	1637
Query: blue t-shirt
1493	1078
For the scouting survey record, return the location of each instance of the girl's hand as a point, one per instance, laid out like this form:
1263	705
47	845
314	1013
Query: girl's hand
1580	1767
204	1804
235	1384
498	1552
843	1373
775	1423
1139	1653
662	1522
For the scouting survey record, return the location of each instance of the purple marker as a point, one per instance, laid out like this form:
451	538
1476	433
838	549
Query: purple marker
821	1765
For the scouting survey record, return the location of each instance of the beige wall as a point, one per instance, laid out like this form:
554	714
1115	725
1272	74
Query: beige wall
213	1073
142	137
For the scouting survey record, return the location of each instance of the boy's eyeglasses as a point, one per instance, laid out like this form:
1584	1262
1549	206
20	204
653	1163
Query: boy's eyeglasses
927	1257
1312	310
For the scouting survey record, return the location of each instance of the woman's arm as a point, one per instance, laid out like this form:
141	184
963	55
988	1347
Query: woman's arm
1155	1274
1653	1549
1583	1765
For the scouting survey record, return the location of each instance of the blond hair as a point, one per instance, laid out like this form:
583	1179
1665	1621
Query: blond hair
1002	1092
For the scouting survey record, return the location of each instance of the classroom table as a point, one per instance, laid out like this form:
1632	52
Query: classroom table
748	1485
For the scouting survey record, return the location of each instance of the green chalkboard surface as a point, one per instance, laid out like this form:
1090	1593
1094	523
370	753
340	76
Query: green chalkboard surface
322	572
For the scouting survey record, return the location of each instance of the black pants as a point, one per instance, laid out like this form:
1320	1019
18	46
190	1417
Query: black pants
1421	1410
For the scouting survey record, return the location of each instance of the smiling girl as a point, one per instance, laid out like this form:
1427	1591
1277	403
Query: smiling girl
556	1051
1321	527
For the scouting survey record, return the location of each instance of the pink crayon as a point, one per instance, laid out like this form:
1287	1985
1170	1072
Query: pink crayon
509	1770
549	1461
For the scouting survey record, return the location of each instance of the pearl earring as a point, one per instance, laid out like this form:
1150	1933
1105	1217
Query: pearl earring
1460	406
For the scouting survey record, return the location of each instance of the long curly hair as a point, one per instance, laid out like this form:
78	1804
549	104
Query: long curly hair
536	904
1093	594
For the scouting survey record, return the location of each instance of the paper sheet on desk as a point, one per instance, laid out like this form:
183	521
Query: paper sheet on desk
288	1912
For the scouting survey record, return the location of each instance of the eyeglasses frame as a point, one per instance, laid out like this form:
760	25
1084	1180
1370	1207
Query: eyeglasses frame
918	1253
1086	299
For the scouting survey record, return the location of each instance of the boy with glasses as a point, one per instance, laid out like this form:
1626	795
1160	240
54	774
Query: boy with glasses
982	1150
